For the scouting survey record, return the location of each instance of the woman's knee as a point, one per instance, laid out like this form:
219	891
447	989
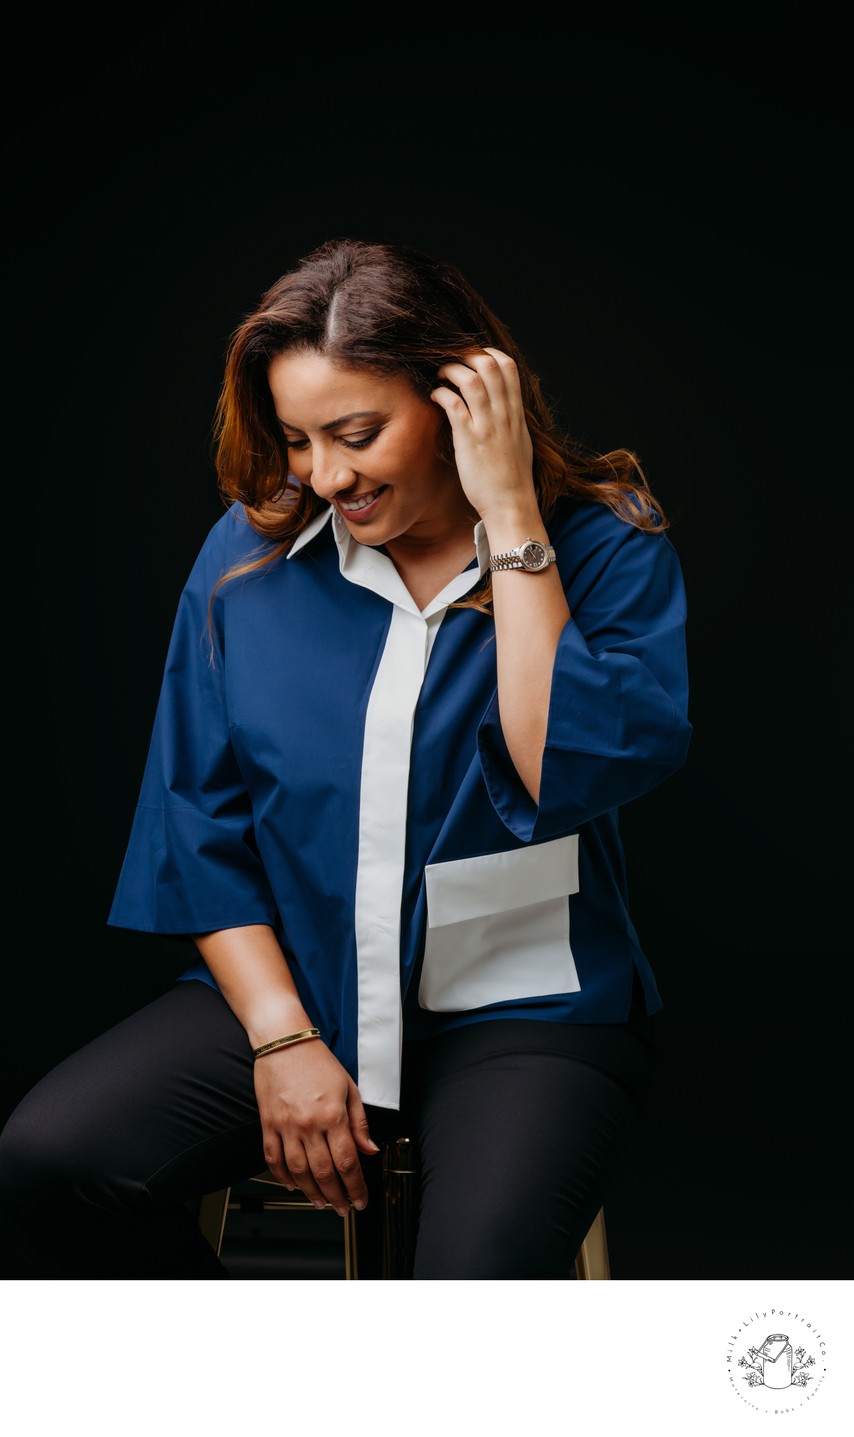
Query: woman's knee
46	1152
32	1155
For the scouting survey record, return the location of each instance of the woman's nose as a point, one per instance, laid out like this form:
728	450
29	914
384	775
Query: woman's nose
331	475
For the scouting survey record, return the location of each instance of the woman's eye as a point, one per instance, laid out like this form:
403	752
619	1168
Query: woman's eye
347	443
360	443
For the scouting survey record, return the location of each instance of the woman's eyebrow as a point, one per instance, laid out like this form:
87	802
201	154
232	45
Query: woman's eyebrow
345	419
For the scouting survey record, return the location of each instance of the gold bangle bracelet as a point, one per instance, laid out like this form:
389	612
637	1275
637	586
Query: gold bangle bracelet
286	1042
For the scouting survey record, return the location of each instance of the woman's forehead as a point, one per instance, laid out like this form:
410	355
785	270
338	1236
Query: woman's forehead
309	388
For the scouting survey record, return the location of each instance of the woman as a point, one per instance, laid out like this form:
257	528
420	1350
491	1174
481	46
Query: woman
425	655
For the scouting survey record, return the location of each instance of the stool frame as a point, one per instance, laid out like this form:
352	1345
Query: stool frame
592	1262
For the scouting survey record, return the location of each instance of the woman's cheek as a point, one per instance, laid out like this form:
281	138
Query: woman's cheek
300	466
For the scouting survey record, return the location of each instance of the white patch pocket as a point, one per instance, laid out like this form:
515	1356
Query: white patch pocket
498	927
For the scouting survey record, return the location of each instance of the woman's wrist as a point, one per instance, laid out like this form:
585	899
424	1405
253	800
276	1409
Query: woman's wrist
276	1020
509	527
288	1040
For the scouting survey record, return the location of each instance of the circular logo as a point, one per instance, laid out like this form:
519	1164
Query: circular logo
776	1359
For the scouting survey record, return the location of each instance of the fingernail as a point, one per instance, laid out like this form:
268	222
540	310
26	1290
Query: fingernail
360	1204
375	1146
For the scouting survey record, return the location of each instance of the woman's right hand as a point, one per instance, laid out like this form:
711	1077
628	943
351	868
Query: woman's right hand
312	1116
314	1124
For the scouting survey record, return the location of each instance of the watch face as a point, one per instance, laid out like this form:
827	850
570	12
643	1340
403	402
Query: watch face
533	555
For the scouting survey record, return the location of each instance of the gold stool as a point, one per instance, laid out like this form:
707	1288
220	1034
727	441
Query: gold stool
400	1216
212	1211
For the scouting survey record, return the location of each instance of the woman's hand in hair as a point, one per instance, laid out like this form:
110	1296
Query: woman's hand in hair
492	444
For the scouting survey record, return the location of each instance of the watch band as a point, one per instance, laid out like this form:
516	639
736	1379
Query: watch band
541	555
510	560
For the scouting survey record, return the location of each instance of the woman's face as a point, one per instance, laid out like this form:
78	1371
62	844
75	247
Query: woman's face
369	446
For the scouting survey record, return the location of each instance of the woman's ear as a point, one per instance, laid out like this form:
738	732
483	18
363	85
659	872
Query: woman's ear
445	440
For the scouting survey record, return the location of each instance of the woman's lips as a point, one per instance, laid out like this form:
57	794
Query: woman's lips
365	506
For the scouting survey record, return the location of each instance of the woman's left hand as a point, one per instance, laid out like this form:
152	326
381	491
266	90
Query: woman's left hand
492	444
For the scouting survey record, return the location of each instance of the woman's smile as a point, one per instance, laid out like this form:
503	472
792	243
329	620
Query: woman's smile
362	506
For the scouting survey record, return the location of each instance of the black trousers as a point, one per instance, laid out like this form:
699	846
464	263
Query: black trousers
518	1125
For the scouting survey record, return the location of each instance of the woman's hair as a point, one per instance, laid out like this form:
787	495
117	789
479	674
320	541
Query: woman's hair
392	310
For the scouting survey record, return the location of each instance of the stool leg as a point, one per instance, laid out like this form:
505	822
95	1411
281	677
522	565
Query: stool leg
400	1208
351	1261
211	1214
592	1262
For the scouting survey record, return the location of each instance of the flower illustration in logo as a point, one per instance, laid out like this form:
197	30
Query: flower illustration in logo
775	1364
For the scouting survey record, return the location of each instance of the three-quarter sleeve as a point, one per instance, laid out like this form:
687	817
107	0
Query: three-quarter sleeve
618	710
191	863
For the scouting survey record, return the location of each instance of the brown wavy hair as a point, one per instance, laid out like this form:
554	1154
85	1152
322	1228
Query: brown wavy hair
393	310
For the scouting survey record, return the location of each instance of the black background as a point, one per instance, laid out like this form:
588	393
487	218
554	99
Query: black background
663	222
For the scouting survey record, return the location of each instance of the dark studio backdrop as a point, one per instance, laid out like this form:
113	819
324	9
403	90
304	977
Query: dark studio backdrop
662	224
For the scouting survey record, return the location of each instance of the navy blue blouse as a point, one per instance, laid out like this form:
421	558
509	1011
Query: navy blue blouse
334	766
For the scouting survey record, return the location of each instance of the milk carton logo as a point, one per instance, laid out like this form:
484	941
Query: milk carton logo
774	1365
776	1369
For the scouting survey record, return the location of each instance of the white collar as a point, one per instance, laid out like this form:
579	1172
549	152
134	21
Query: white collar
373	570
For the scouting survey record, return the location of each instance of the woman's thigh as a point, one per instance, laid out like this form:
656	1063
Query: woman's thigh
517	1139
155	1111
